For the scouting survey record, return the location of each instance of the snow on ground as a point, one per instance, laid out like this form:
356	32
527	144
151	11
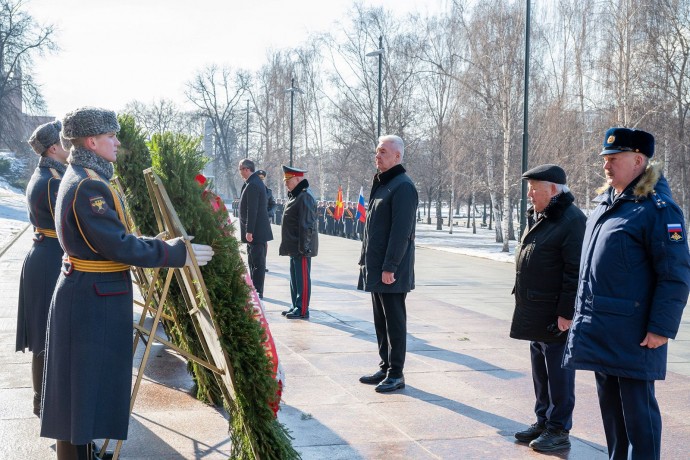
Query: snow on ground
13	219
463	241
13	216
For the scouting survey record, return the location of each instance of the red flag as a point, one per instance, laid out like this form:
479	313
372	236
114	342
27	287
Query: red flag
338	214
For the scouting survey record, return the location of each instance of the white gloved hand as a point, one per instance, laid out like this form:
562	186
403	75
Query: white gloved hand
202	253
163	236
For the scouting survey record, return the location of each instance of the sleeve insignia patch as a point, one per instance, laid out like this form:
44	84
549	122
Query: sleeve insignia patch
675	232
98	205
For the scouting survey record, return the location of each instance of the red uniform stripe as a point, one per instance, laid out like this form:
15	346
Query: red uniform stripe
305	286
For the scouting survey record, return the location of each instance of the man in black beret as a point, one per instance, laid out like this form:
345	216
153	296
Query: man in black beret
634	285
547	265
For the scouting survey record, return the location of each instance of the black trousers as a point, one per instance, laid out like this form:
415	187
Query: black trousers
632	421
256	259
554	387
390	322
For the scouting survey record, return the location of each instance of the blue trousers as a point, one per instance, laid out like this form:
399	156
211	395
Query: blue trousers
632	421
554	387
300	283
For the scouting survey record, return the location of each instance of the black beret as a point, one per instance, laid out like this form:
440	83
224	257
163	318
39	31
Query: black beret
261	173
618	140
547	173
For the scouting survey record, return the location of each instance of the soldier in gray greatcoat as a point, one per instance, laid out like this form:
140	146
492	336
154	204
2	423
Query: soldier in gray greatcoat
88	368
42	263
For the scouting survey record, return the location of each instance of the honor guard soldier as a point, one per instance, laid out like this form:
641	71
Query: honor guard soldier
88	369
42	263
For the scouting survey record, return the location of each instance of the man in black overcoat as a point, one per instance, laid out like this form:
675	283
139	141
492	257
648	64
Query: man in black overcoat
255	228
547	264
387	260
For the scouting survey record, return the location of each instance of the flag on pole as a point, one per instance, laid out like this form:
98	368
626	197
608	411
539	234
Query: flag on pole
338	214
361	210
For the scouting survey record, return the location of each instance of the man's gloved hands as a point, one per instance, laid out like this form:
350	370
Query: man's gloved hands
202	253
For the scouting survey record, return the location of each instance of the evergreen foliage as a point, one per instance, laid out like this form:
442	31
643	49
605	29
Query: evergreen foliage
177	159
134	157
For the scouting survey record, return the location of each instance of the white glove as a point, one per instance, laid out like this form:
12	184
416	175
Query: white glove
202	253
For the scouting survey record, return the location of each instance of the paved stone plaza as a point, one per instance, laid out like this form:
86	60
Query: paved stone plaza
468	384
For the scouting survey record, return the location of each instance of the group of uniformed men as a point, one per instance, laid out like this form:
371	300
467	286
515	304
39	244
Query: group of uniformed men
348	226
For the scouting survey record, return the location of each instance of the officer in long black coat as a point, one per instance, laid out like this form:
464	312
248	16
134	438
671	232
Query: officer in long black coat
88	373
387	260
300	240
42	263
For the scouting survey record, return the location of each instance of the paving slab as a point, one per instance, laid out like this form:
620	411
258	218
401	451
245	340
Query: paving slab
468	385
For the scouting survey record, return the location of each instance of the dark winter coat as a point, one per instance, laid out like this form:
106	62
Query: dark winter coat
88	369
270	205
634	279
300	237
389	232
254	211
42	264
547	265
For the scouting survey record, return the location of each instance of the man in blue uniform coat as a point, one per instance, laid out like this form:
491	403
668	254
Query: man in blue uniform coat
88	374
633	285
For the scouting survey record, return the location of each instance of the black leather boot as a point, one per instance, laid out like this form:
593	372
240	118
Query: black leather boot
37	361
68	451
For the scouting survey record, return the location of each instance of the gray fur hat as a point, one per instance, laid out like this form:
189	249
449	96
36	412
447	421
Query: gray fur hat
44	136
89	121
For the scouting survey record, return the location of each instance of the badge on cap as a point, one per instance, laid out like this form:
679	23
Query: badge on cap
675	232
610	139
98	205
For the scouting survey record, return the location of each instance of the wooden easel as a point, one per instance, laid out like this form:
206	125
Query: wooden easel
196	297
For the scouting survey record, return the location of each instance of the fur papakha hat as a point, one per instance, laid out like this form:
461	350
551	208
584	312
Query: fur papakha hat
89	121
44	136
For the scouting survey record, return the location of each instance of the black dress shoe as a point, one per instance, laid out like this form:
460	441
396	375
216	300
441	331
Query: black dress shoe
390	384
551	440
285	312
296	314
373	379
531	433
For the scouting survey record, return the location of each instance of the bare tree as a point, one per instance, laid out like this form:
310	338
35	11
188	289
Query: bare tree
353	80
163	116
668	29
21	40
218	95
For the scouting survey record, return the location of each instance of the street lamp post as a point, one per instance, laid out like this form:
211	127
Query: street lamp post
525	123
246	143
292	90
379	53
